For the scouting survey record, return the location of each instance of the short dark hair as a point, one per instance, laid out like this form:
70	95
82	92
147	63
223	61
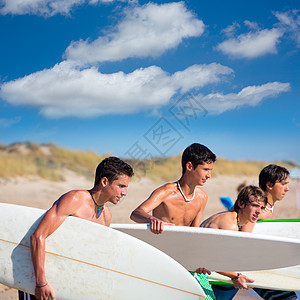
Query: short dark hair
197	154
111	167
272	173
245	194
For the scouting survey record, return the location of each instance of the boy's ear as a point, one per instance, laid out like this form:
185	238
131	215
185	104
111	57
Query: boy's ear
240	205
104	181
189	166
269	186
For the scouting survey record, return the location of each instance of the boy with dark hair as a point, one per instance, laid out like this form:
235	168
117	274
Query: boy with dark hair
196	154
273	180
111	182
182	202
111	168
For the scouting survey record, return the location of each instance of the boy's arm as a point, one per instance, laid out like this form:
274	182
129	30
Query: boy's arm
141	213
53	218
239	280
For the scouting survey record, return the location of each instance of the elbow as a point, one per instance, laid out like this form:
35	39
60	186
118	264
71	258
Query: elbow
33	240
36	240
132	216
139	216
135	216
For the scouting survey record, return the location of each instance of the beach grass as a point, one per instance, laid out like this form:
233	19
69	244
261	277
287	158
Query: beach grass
50	161
46	161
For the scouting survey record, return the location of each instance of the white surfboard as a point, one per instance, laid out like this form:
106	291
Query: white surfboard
85	260
279	227
287	279
217	249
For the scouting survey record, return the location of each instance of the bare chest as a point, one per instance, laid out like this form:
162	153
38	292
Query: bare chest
87	213
178	211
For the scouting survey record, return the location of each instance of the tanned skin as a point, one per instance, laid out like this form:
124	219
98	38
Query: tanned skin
78	204
168	205
274	193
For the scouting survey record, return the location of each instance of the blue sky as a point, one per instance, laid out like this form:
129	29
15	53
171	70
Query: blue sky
142	79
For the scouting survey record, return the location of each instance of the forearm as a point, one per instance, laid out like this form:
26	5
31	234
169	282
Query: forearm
140	216
156	225
231	275
38	259
239	280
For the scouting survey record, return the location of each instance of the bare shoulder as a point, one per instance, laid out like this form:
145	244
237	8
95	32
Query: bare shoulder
71	201
165	191
223	220
67	205
210	222
228	220
76	195
169	187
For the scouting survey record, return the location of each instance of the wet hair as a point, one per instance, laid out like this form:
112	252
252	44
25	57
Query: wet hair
244	195
272	174
197	154
111	167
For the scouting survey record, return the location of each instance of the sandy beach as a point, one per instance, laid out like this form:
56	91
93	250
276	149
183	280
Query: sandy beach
41	194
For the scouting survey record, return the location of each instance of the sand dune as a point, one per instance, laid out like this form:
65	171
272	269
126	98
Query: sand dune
41	194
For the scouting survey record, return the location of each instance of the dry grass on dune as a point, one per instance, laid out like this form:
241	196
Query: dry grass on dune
45	161
50	161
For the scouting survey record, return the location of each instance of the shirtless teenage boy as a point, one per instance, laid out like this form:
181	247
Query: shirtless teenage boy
250	203
273	180
111	182
179	203
182	202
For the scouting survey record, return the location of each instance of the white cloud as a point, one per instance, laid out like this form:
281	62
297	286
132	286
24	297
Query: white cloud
45	8
147	30
199	76
67	91
38	7
250	96
251	25
253	44
258	42
5	123
290	23
230	30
